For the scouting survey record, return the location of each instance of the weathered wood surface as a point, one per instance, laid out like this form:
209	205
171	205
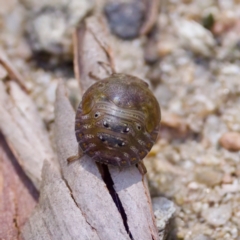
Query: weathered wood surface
18	196
24	131
57	215
80	192
92	53
128	184
83	177
151	16
21	124
134	196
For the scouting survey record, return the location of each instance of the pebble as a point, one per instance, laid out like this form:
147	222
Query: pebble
125	18
163	94
193	185
227	178
166	47
208	176
218	216
47	32
50	28
174	121
164	210
195	37
202	237
224	23
197	207
230	188
230	141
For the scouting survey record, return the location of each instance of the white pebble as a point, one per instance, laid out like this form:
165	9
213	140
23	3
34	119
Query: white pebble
218	216
195	36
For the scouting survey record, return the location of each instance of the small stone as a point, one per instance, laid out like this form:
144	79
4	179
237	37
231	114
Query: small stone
47	31
51	25
230	141
125	18
197	207
230	188
174	121
201	237
208	176
214	196
162	92
23	50
227	178
218	216
164	210
193	185
166	47
224	23
195	37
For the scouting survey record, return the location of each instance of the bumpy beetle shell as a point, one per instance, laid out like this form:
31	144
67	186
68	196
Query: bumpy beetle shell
117	121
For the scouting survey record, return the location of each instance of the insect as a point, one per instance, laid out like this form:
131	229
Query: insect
118	121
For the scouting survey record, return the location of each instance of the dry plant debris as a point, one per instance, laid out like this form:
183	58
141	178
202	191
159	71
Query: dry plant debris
23	129
18	197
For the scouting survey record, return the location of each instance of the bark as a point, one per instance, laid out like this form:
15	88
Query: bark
92	53
24	131
18	196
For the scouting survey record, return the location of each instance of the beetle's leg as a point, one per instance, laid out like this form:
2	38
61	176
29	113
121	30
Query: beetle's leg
94	77
75	157
106	67
141	167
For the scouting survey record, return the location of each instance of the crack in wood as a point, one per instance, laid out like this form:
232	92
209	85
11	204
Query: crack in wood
71	194
106	176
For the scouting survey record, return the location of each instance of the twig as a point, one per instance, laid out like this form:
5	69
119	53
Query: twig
12	71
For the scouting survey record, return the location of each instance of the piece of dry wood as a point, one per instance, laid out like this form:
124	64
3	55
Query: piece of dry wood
57	215
24	131
18	196
128	183
151	16
133	193
80	206
92	54
83	177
